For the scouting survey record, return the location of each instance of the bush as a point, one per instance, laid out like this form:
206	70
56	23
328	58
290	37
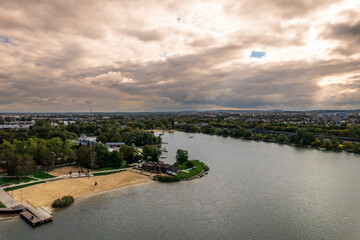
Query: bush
63	202
258	137
206	168
161	178
189	164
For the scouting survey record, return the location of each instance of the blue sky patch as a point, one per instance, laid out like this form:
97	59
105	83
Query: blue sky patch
4	39
255	54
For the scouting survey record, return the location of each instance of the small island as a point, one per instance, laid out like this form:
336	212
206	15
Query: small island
182	169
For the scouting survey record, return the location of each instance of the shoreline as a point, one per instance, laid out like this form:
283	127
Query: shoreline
106	191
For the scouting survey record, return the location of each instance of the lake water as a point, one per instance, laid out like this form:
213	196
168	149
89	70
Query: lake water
254	190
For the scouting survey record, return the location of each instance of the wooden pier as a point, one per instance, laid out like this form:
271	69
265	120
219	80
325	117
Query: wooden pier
34	216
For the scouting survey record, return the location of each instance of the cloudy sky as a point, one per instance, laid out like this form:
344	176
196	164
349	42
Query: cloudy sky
64	55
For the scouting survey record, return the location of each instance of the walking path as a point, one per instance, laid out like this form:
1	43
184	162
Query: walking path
7	200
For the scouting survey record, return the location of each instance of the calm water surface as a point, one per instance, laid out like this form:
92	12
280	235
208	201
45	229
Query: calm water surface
254	190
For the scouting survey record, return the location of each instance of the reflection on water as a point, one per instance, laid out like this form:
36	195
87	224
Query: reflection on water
254	190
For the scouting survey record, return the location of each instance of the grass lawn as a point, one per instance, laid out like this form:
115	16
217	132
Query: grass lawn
107	173
13	180
42	175
123	165
2	205
198	167
22	186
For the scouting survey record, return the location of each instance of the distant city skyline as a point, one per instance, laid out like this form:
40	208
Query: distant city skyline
148	56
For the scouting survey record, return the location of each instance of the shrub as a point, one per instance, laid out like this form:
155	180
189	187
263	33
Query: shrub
189	164
258	137
161	178
206	168
63	202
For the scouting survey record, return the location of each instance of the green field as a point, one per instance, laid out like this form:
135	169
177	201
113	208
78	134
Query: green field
123	165
107	173
22	186
198	167
13	180
42	175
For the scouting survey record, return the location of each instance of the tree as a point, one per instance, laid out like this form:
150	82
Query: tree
151	152
83	157
348	145
26	165
238	132
116	157
48	160
282	138
68	154
225	132
258	137
304	137
101	138
102	153
56	146
248	133
208	129
182	156
129	153
327	143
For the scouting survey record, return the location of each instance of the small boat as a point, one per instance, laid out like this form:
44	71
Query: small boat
191	137
163	157
164	150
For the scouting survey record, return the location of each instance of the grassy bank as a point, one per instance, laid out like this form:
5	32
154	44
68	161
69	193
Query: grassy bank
22	186
107	173
197	168
123	165
4	181
42	175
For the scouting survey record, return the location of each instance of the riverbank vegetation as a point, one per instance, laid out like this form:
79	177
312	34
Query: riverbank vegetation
301	135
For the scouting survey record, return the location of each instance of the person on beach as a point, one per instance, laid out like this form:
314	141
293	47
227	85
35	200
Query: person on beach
95	184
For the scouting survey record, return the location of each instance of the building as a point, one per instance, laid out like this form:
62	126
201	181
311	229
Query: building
114	145
156	166
86	141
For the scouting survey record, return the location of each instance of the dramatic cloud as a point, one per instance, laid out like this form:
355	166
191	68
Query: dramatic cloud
179	55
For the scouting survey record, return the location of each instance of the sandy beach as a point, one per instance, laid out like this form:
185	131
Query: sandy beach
44	194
